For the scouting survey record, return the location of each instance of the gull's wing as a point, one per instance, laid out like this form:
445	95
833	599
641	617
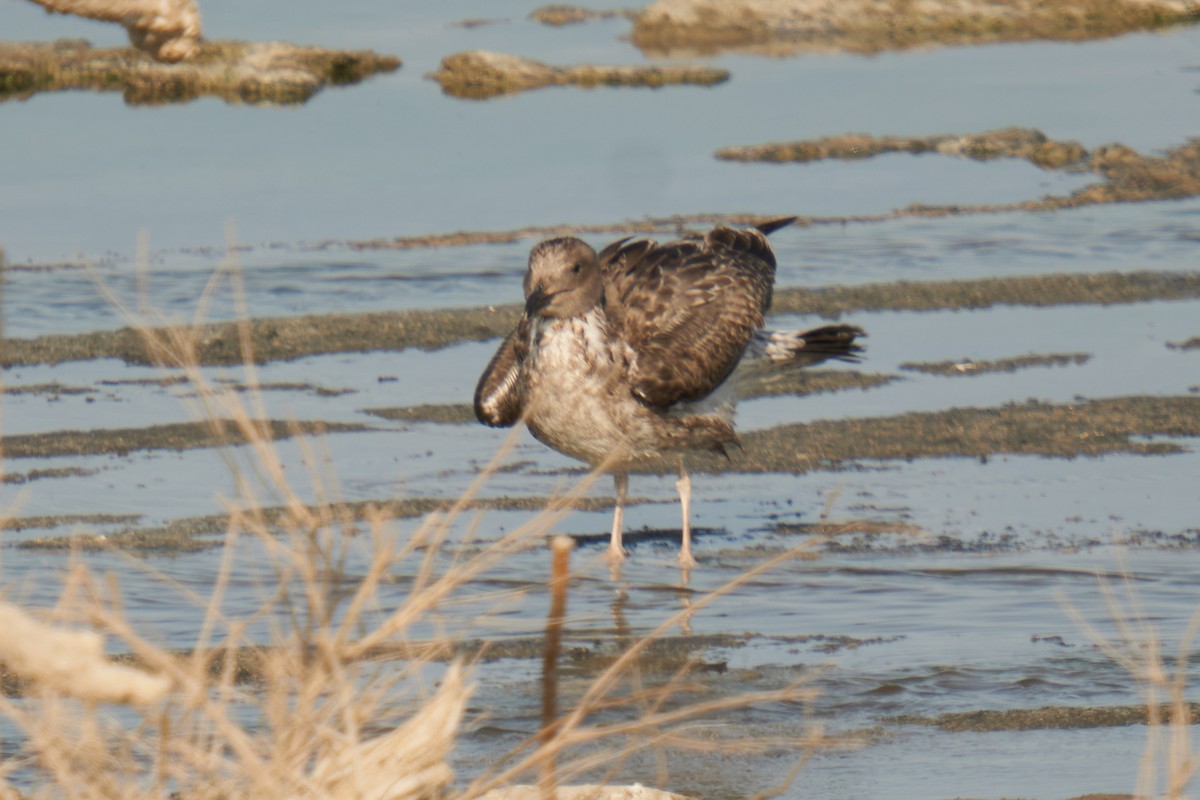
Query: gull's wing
688	308
500	396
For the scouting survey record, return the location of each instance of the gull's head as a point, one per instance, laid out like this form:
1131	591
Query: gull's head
563	279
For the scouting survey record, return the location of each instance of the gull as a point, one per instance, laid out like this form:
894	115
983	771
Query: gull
624	356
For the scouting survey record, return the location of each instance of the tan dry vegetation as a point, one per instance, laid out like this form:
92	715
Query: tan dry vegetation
1136	646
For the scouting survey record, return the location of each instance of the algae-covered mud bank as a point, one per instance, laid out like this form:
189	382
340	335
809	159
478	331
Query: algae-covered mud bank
237	72
784	26
1128	176
479	75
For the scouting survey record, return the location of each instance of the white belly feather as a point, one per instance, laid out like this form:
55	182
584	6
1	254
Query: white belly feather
578	399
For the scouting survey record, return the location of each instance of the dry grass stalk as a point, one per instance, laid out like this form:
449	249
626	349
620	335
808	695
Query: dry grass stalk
406	762
71	662
560	575
311	727
1138	649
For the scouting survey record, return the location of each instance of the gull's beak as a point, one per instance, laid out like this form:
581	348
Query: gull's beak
537	300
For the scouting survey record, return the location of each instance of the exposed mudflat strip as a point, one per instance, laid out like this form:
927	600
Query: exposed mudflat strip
1089	428
1048	717
39	474
1103	288
176	436
238	72
61	520
789	26
1127	175
967	366
479	75
287	338
560	14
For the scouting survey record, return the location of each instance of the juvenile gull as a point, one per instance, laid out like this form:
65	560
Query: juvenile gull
624	356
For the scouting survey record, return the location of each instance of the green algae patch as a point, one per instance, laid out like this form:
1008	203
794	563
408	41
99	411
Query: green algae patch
967	366
1048	718
177	436
784	27
1127	176
480	74
237	72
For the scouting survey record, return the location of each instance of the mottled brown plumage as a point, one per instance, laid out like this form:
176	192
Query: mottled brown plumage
622	356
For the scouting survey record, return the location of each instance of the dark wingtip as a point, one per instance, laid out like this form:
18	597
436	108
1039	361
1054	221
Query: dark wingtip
770	226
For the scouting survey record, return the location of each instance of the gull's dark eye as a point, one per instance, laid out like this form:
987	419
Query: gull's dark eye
578	266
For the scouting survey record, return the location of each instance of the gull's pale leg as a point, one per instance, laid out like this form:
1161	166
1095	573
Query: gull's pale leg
615	551
684	487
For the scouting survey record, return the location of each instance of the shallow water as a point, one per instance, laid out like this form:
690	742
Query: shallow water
961	610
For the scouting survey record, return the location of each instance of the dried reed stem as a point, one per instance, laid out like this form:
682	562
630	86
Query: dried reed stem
560	576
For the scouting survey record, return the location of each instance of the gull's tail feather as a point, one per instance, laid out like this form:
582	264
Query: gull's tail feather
805	348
